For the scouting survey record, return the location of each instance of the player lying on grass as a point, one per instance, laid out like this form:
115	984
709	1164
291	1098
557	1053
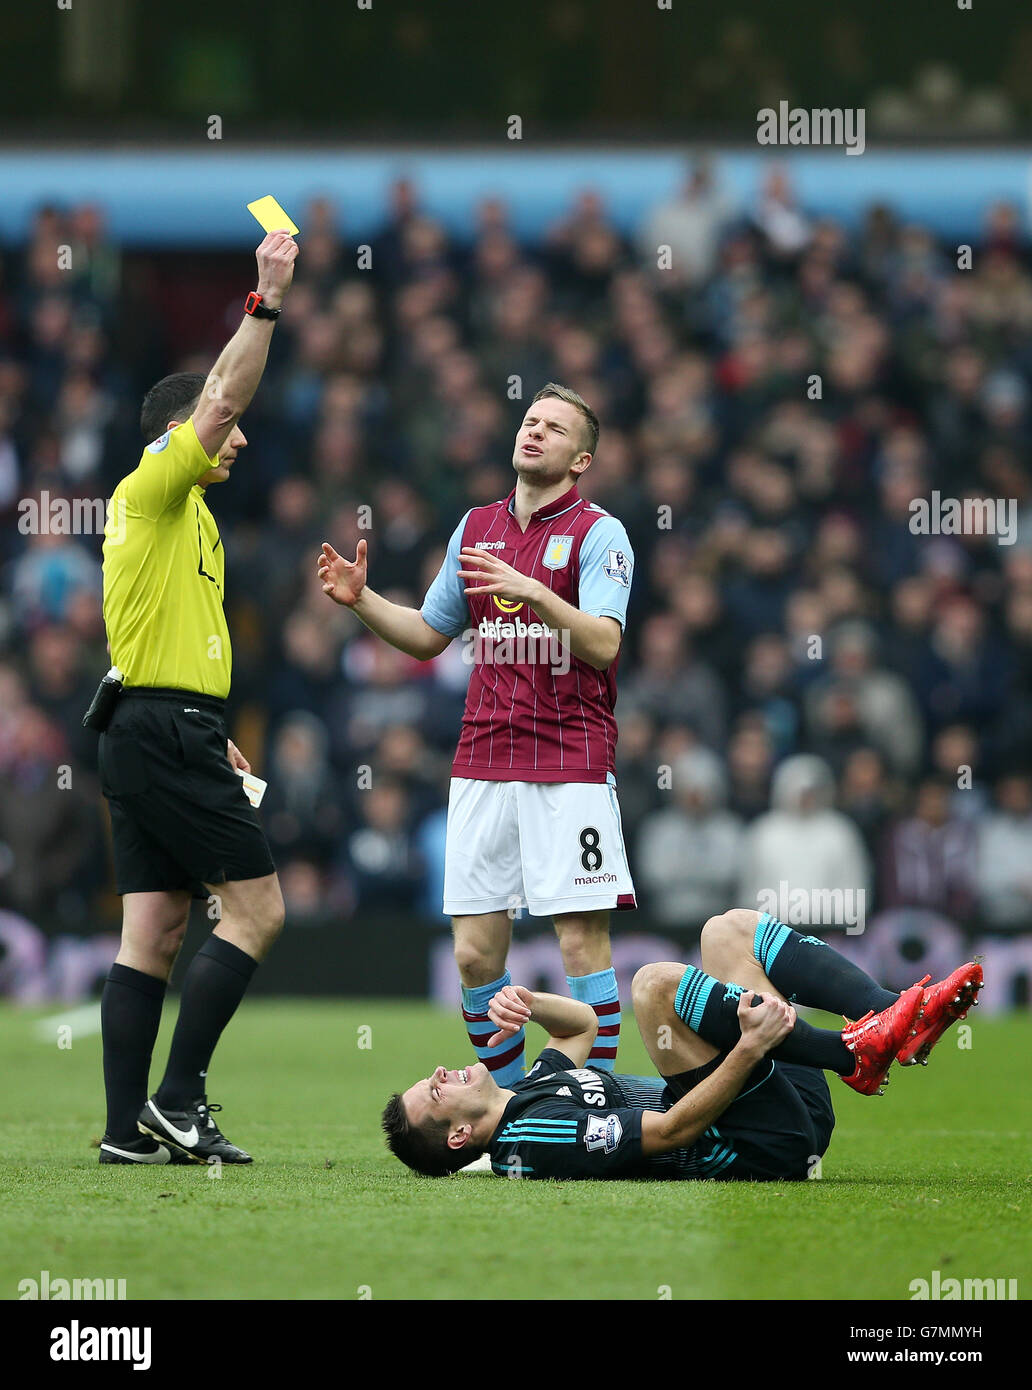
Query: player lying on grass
740	1093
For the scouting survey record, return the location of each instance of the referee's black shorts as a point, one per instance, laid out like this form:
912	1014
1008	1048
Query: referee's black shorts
180	817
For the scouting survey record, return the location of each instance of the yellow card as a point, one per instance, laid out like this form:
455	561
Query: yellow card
271	216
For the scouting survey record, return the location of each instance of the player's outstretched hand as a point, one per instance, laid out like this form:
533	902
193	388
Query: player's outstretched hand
766	1024
510	1008
343	579
275	256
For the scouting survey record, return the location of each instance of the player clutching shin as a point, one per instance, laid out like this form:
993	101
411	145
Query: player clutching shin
540	580
739	1091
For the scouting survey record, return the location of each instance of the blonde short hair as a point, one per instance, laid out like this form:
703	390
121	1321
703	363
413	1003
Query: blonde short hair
552	390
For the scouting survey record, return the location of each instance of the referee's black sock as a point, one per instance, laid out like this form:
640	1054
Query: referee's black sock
710	1008
213	986
130	1012
808	971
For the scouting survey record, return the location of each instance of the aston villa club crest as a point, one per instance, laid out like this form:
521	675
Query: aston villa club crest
557	552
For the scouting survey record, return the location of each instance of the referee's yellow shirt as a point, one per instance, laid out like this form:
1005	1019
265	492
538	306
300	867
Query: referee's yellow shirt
164	572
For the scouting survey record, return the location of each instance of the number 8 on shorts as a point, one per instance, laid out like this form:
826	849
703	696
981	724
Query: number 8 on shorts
512	843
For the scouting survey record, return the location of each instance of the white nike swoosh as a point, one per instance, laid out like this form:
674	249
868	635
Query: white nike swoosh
160	1155
186	1137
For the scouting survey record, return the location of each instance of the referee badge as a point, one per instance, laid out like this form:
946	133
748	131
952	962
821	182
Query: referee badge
558	552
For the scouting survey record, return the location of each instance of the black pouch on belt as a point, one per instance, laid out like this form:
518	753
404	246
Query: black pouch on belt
102	707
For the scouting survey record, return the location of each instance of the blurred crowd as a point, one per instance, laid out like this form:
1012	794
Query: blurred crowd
809	691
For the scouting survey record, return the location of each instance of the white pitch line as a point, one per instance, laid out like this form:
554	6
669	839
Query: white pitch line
82	1021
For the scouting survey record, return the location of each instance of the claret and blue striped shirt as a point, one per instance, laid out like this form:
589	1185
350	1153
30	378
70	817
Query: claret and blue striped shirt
526	720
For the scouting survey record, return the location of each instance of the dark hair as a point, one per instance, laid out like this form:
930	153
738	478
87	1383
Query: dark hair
172	398
423	1148
553	391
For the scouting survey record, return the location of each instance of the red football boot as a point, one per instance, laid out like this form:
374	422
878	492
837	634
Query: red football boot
944	1004
876	1038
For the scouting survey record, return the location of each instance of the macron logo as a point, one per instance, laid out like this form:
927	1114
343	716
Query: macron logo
489	545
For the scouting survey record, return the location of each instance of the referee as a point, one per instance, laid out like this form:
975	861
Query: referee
179	815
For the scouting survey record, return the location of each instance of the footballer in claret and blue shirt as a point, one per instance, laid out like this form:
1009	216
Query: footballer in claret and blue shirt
538	584
739	1093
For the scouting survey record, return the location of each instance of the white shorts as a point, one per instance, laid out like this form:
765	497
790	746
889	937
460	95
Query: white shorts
548	846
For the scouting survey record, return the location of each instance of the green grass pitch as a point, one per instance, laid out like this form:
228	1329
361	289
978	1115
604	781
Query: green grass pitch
935	1175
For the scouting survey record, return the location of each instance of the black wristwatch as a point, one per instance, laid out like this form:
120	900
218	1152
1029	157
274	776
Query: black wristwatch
254	306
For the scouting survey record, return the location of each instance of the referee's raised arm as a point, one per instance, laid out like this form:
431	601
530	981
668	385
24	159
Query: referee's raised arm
182	824
233	380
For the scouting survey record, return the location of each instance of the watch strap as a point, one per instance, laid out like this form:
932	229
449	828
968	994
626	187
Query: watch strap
257	308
